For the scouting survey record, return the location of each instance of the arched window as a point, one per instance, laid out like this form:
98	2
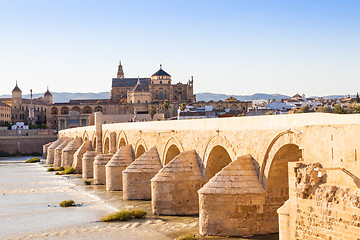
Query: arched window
161	95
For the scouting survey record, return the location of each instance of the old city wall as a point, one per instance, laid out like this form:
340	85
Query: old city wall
24	144
271	141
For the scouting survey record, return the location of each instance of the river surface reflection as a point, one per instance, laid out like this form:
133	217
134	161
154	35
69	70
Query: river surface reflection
29	198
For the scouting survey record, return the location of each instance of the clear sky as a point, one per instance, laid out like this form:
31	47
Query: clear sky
232	47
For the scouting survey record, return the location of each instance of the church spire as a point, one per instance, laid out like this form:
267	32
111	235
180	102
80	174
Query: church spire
120	73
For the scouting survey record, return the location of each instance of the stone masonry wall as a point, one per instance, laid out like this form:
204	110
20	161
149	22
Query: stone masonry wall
320	210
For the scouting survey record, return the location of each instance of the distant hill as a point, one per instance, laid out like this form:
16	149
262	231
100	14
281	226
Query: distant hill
216	97
66	96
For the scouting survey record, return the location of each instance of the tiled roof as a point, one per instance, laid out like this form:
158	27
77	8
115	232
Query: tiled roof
4	104
161	73
129	82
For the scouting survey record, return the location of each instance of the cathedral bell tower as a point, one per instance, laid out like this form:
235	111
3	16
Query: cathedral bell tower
120	73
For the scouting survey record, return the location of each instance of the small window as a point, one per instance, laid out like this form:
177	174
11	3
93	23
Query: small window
138	101
160	82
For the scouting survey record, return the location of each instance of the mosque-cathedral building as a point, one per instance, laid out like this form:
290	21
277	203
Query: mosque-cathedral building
129	97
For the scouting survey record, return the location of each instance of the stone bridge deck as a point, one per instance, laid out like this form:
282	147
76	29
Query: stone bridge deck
248	155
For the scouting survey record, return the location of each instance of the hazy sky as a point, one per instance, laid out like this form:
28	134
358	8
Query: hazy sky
233	47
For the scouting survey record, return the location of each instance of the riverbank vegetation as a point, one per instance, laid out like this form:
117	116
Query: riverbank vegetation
33	160
188	236
67	203
124	215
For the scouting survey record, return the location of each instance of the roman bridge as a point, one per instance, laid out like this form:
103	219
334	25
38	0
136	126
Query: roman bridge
233	172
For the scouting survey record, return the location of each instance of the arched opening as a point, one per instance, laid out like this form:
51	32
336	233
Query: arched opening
77	109
107	146
64	110
94	144
54	111
98	109
277	187
122	142
87	110
171	153
217	160
139	151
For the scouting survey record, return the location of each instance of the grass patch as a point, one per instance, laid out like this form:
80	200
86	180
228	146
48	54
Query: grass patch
67	203
124	215
138	213
67	170
33	160
87	182
188	236
50	169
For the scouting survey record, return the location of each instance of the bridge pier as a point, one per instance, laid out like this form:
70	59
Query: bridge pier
51	150
45	149
174	188
119	162
137	176
78	155
232	202
58	152
99	168
88	164
68	152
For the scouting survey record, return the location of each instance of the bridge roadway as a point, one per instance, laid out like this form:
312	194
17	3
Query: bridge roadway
248	155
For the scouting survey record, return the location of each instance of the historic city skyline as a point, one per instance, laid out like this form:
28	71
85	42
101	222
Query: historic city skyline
236	47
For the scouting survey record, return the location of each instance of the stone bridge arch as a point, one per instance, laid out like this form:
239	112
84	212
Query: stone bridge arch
173	147
218	154
140	147
93	142
85	136
106	142
278	142
122	140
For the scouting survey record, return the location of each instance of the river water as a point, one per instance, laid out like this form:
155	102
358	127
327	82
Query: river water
29	209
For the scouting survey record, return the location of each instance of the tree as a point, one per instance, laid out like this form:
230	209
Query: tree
269	113
303	109
324	109
357	97
339	109
166	106
353	108
183	106
152	112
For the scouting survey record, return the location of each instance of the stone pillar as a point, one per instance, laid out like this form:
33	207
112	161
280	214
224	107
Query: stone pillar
284	221
174	188
112	143
88	163
45	149
68	152
51	150
78	155
232	202
137	176
58	152
98	131
99	168
114	168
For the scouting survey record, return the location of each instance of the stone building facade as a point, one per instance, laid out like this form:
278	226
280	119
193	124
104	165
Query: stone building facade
5	113
21	107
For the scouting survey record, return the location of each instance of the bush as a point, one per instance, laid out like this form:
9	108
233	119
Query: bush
324	109
339	109
303	109
269	113
87	182
69	170
138	213
50	169
33	160
123	215
188	236
67	203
